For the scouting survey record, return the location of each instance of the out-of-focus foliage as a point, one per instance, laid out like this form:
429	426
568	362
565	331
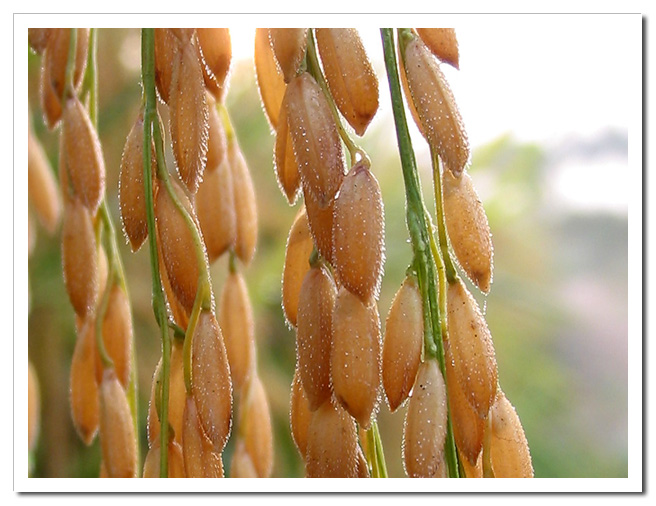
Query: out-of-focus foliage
557	308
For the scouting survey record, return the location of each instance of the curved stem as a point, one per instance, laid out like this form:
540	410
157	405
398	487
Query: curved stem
418	229
151	122
451	273
356	153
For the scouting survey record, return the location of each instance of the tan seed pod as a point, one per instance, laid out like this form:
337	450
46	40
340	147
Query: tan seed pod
179	314
216	48
117	335
53	73
177	243
438	112
424	433
288	46
442	42
316	141
83	155
245	204
286	168
189	118
131	195
468	427
255	427
42	187
211	386
299	414
471	347
152	422
38	38
238	328
79	258
350	75
320	221
403	343
270	81
408	98
297	255
217	144
200	460
509	452
359	233
332	444
175	461
469	231
215	206
83	385
241	465
167	52
356	355
33	407
314	334
117	437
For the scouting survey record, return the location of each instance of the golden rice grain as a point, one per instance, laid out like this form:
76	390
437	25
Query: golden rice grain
314	334
470	344
332	444
403	343
200	460
425	424
270	81
468	229
509	452
216	48
470	470
217	144
211	385
285	165
358	233
245	204
350	75
83	155
362	469
297	255
131	195
356	355
235	316
437	109
255	427
38	38
175	461
83	385
442	42
177	243
117	334
167	48
288	46
177	312
189	117
41	186
215	206
299	414
316	141
117	437
79	257
468	427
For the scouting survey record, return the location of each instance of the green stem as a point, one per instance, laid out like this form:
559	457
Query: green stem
378	452
418	229
451	273
151	123
356	153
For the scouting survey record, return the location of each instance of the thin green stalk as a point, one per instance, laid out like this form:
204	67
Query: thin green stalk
151	122
418	229
450	270
378	452
356	153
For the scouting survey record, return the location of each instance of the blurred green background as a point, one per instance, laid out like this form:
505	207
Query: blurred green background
557	309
